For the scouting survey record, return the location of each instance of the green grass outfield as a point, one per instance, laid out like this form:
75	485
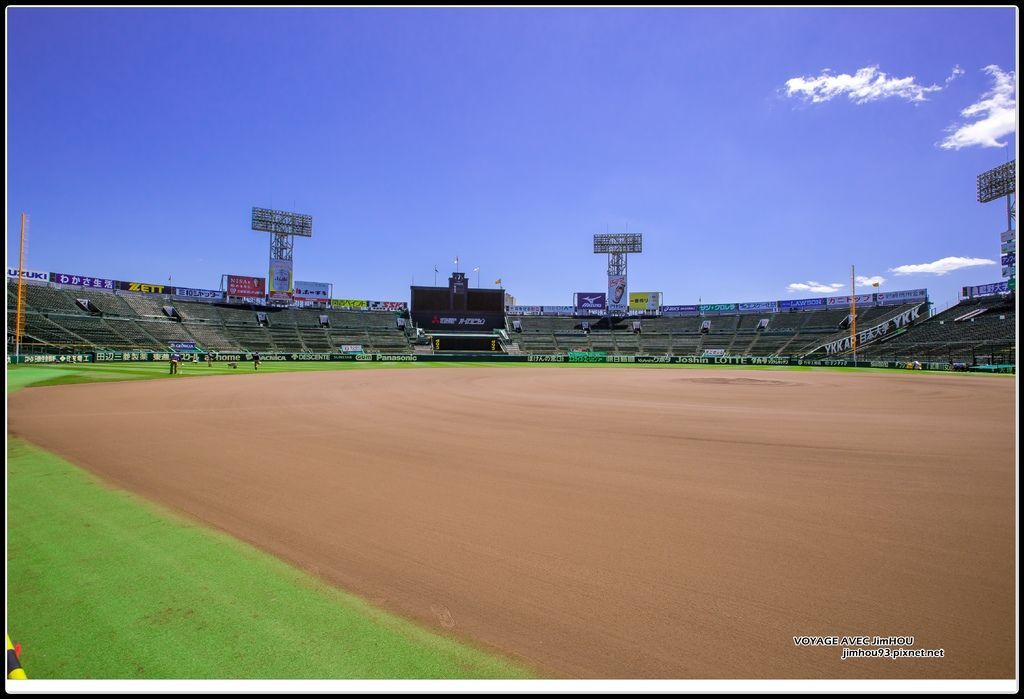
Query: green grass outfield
102	584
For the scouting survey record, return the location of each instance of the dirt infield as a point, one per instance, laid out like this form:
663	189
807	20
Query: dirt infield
601	521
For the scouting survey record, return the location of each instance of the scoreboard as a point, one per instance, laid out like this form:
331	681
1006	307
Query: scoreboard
455	343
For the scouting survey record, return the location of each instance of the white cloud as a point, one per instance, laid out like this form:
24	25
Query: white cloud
940	267
957	72
814	286
866	85
870	281
995	114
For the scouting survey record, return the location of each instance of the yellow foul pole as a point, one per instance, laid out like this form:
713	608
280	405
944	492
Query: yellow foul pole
853	311
19	317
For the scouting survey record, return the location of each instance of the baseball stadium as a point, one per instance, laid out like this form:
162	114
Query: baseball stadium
466	488
237	473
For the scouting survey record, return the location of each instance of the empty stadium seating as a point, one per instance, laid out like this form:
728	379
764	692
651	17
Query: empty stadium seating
54	322
982	329
787	334
988	335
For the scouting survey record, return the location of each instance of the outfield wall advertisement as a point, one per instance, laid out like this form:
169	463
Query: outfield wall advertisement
145	288
617	299
895	298
463	320
970	292
29	275
802	304
680	310
388	305
753	307
90	282
593	357
350	304
645	301
862	300
592	301
197	293
709	309
312	291
280	280
247	287
524	310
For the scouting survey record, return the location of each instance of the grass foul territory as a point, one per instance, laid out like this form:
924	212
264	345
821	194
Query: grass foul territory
103	585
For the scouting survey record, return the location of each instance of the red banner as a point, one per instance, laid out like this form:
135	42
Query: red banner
246	286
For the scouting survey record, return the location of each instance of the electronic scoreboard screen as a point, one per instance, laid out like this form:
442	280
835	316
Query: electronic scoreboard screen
454	343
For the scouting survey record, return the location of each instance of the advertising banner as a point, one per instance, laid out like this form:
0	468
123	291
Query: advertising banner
350	304
52	358
680	310
28	275
862	300
894	298
458	320
143	288
351	349
759	306
248	287
644	300
197	293
617	299
716	308
312	291
183	346
524	310
590	301
557	310
389	306
803	304
714	352
280	279
900	321
91	282
970	292
587	355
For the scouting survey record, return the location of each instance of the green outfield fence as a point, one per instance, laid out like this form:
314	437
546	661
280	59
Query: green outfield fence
573	358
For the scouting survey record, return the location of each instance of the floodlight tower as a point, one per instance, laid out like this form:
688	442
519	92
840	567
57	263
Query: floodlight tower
995	184
283	226
617	246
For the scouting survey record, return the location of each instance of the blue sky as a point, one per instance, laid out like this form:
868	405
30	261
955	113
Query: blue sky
138	141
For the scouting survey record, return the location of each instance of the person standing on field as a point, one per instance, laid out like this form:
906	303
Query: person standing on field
256	361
